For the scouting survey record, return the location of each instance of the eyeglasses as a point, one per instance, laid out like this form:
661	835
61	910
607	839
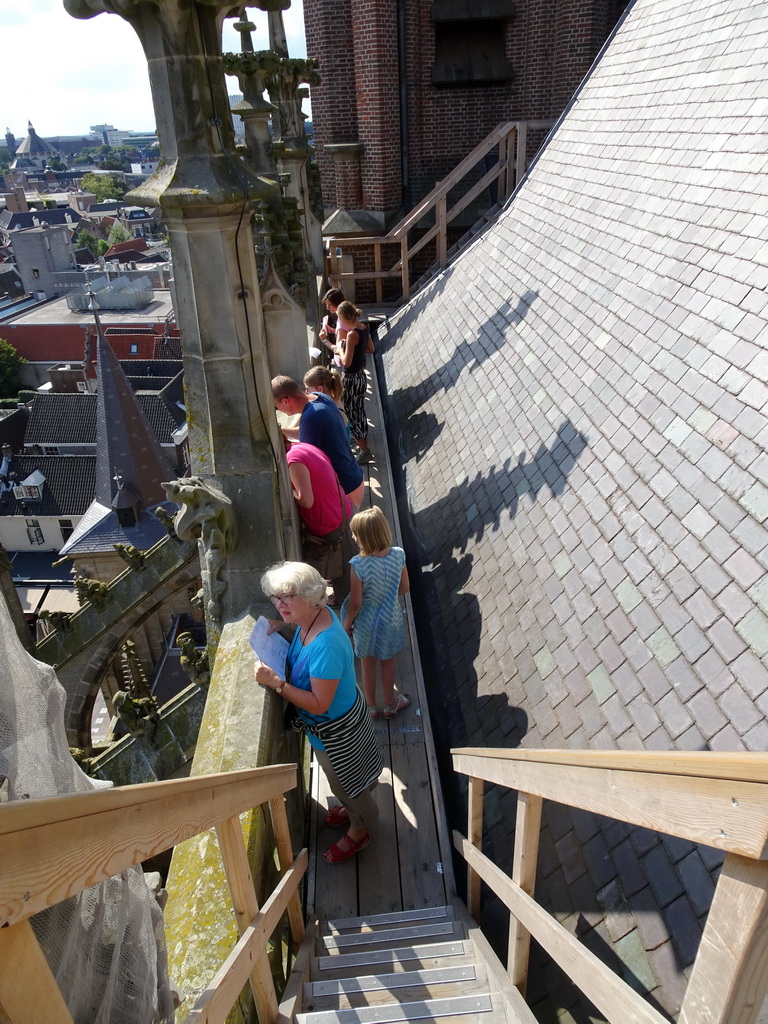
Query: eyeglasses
277	598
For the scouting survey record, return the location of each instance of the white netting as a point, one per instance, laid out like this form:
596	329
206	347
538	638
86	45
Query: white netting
106	947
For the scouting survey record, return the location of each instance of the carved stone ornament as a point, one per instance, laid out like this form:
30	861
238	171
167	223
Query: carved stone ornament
208	515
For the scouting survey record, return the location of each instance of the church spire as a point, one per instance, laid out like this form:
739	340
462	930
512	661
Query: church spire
130	464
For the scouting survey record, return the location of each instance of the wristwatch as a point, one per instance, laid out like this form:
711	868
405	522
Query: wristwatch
279	689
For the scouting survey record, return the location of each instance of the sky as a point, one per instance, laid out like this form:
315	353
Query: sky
64	74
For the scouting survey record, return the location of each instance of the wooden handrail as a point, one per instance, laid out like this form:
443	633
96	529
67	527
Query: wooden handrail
55	848
507	172
720	800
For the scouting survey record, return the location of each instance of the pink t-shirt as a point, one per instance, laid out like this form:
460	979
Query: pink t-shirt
325	513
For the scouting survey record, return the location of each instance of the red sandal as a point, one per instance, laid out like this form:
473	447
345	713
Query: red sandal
337	815
337	854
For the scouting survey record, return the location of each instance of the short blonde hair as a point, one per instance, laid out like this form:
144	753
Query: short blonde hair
371	529
298	577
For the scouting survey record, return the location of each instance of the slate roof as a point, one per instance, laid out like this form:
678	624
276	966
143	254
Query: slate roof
582	407
34	218
62	419
99	530
13	428
150	367
71	418
68	489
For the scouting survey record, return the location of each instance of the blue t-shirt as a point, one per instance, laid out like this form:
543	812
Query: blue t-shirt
322	426
328	656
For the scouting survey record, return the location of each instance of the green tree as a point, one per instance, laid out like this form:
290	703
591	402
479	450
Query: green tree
10	364
6	158
118	234
103	186
57	165
87	240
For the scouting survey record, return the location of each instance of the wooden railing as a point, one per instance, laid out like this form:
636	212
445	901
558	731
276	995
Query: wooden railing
54	848
509	139
719	800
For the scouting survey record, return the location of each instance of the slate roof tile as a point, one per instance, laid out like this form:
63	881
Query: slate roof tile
68	488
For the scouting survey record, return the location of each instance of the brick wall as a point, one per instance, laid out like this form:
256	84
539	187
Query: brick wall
550	43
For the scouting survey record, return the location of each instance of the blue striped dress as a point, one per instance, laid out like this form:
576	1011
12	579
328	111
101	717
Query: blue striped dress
379	630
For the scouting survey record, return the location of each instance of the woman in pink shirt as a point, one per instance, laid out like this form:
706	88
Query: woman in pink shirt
324	509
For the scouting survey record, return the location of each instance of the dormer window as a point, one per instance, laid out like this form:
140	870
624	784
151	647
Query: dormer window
30	489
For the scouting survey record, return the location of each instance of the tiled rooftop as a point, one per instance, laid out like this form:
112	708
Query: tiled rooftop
582	400
68	488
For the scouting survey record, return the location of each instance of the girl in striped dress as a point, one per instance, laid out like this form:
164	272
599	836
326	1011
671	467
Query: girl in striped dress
372	612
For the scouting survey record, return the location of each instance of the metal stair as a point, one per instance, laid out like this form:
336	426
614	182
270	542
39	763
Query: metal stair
428	964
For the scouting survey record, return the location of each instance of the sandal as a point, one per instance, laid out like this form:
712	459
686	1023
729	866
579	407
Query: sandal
337	853
337	815
373	712
402	701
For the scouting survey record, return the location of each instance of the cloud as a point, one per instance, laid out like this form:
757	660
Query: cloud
64	74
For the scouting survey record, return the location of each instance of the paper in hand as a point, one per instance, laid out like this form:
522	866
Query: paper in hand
271	649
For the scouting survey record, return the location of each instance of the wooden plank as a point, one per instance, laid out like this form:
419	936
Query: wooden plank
403	958
285	858
335	884
732	816
246	906
371	922
92	836
526	855
417	689
404	269
382	858
403	987
730	975
475	833
434	1009
421	870
746	766
25	971
611	995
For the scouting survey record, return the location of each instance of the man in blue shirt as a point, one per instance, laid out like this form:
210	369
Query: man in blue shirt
321	425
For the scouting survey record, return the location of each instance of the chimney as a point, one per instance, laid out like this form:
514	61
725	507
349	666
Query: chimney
22	206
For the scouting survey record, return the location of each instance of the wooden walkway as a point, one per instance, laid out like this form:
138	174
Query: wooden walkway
407	865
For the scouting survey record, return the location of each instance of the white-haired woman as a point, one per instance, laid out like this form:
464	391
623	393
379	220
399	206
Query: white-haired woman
320	674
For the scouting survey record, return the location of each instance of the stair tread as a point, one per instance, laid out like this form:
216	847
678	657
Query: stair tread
426	954
392	935
346	924
433	1009
406	986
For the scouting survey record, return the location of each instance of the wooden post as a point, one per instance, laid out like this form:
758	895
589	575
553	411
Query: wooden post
522	136
442	231
238	871
404	266
509	160
28	990
475	837
527	828
730	974
285	856
377	268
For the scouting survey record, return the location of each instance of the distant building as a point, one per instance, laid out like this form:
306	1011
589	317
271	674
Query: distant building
40	253
34	153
